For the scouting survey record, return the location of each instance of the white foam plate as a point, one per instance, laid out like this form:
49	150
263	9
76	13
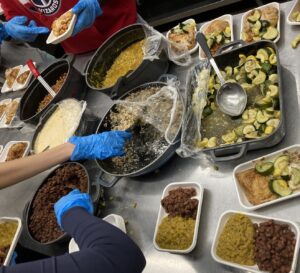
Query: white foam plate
114	219
250	165
191	51
8	146
273	4
3	120
15	240
296	7
5	87
255	219
162	214
52	39
227	18
16	86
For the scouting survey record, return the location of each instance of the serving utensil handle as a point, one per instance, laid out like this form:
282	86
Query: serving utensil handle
32	68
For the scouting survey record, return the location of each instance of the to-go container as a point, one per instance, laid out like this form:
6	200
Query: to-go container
16	237
255	219
5	88
227	18
4	154
296	7
162	214
250	165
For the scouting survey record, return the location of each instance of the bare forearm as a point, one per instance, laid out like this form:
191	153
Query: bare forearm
15	171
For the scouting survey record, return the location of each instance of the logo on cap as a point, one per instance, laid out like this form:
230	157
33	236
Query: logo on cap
47	7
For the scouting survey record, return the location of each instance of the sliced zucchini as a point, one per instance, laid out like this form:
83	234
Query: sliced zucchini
231	80
228	70
261	117
273	59
239	130
219	38
273	91
245	36
269	130
281	162
210	42
250	65
260	78
264	102
229	137
295	41
256	38
245	115
266	67
248	129
212	142
254	17
273	122
277	114
265	24
273	78
294	183
247	87
270	50
227	32
264	168
271	33
202	143
262	55
280	187
242	58
252	135
270	111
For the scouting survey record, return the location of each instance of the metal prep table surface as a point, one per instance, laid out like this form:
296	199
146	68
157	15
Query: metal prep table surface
138	199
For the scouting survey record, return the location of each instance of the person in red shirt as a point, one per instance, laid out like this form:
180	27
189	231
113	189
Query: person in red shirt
96	20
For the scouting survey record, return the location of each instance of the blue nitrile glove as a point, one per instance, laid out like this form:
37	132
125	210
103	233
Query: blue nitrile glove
17	28
86	11
99	146
74	199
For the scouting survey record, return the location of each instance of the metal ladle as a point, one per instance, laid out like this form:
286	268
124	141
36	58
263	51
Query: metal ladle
231	97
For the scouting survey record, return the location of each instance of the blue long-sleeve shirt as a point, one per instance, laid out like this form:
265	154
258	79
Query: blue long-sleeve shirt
103	249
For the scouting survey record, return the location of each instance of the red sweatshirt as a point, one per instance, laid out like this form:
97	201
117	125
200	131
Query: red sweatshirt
116	15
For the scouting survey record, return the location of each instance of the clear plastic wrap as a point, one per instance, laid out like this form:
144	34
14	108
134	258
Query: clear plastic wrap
160	107
196	95
156	41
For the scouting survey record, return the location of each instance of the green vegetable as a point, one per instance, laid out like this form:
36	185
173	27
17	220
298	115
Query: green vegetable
260	78
264	102
261	117
264	168
273	122
210	42
265	24
266	67
219	38
262	55
294	183
280	187
227	32
248	129
296	41
251	65
273	59
271	33
281	163
228	70
207	111
273	78
273	91
254	17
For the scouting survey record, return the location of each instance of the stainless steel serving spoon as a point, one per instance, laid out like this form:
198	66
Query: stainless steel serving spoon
231	97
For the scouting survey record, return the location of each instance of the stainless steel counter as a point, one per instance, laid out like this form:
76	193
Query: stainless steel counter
138	199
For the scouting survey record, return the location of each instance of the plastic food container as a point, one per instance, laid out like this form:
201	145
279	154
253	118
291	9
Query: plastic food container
6	101
16	237
52	39
273	4
255	219
16	86
227	18
3	155
251	164
296	7
162	214
191	51
114	219
3	120
5	88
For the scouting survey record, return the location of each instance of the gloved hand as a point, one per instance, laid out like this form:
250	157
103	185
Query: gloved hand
86	11
99	146
74	199
17	28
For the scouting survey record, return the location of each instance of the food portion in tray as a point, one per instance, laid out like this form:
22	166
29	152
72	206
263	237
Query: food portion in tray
3	106
296	16
148	114
127	61
42	223
176	230
61	24
257	74
217	34
261	24
10	111
8	230
271	179
21	79
16	151
11	75
60	126
256	243
183	35
56	88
